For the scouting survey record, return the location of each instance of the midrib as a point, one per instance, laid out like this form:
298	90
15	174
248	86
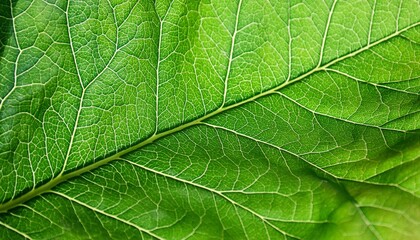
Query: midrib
62	178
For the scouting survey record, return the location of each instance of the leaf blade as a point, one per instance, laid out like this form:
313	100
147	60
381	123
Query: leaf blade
179	133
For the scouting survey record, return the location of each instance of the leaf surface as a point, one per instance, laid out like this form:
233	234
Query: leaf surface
210	119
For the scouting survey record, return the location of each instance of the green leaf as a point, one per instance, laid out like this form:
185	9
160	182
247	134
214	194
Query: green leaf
210	119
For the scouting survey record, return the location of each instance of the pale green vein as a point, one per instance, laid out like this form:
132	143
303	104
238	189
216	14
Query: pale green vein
79	109
105	214
371	83
218	193
327	27
370	226
300	156
371	22
340	119
15	230
17	58
270	145
232	47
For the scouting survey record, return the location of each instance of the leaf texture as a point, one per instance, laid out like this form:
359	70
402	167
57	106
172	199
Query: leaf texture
209	119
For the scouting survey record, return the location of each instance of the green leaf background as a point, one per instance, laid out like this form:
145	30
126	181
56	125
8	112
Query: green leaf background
208	119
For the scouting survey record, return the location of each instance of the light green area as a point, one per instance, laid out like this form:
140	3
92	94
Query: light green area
210	119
